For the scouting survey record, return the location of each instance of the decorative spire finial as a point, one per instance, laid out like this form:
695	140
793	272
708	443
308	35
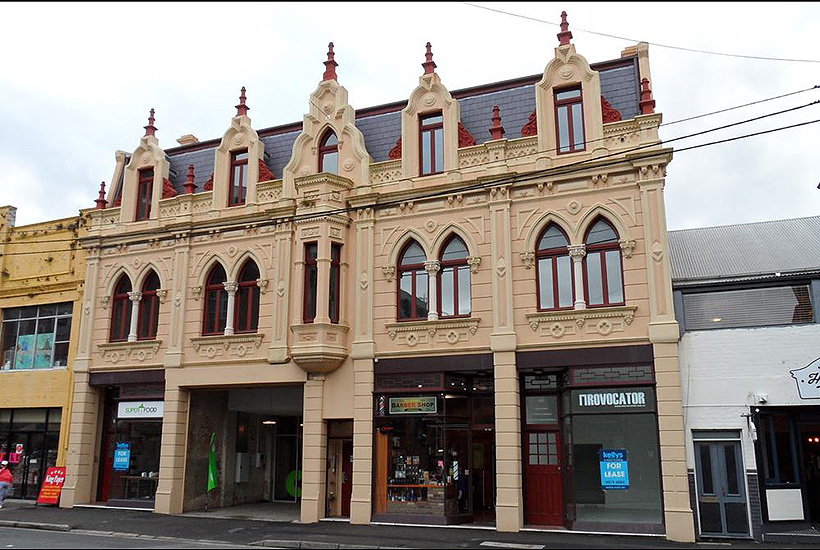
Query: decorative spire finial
429	65
242	109
101	202
647	104
496	130
190	186
564	36
330	64
150	130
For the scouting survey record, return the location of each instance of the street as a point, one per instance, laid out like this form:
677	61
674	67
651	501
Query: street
35	538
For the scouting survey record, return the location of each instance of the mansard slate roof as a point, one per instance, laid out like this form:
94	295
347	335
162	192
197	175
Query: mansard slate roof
381	125
745	251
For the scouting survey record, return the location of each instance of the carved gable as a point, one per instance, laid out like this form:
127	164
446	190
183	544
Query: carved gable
568	69
147	155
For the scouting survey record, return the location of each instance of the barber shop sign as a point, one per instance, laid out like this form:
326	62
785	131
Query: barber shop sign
808	380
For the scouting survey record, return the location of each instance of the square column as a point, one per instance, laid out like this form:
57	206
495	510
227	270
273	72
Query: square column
80	466
361	501
314	450
172	452
509	507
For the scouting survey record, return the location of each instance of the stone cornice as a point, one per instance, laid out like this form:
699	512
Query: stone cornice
452	330
602	319
220	345
129	352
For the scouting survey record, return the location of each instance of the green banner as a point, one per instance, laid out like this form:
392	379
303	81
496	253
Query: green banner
213	472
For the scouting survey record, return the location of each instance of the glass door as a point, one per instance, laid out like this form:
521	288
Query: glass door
721	491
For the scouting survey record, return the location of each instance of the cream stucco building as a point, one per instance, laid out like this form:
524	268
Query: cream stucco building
454	308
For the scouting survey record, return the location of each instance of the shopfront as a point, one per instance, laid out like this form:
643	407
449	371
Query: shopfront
29	440
434	448
130	444
590	445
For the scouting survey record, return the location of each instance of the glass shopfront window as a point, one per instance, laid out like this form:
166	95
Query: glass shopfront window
36	337
615	464
29	440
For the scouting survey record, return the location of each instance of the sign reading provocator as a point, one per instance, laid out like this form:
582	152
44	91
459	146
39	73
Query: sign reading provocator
140	409
808	380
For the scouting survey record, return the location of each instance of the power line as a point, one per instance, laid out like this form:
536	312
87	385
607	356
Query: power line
559	170
682	48
687	119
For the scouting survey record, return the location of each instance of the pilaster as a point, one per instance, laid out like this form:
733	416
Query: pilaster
82	442
314	445
172	452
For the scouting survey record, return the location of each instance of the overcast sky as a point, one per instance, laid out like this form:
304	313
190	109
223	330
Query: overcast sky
77	81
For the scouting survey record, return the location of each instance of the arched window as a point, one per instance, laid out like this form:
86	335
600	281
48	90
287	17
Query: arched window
454	280
554	270
329	153
413	291
149	308
602	266
121	310
216	302
247	299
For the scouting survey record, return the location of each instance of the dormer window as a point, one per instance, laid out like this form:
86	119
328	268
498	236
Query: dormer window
329	153
145	190
569	120
239	178
431	144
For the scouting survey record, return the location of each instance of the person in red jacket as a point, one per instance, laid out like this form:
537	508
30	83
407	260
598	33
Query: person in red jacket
6	481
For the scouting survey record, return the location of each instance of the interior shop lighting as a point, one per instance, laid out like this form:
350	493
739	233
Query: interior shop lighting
716	320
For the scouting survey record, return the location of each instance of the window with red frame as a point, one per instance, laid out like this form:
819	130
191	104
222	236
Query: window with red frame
329	153
413	292
120	311
239	178
246	316
335	282
311	282
454	280
145	188
216	302
569	120
603	272
431	144
554	282
149	308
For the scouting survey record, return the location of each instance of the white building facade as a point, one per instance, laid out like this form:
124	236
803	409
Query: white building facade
750	375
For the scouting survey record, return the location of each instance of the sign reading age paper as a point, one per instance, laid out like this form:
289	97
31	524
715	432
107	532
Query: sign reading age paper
614	469
52	486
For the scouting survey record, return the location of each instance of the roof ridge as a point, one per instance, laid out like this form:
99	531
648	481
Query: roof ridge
745	224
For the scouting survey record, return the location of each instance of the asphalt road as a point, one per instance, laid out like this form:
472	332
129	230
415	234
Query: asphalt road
34	538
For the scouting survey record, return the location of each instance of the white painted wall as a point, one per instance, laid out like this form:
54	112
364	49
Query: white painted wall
722	369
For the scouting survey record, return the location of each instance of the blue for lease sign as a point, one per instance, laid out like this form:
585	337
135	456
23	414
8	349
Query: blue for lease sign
122	456
614	469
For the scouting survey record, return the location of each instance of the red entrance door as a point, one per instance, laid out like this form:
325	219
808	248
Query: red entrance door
542	473
347	476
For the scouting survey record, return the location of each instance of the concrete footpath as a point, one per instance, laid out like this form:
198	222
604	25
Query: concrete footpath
326	534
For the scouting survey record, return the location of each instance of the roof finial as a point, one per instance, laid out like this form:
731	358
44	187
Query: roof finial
150	129
101	202
190	186
429	65
496	130
564	36
647	104
242	109
330	64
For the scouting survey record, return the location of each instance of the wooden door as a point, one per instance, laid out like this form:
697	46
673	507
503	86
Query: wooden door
381	472
347	475
543	491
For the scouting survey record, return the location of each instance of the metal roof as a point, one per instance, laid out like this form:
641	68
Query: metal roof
734	252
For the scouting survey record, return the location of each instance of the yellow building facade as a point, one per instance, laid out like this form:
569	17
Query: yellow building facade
41	276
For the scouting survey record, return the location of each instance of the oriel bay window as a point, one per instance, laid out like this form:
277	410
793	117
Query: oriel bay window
335	282
413	285
311	282
602	266
569	120
120	311
329	153
148	308
431	143
216	302
554	270
247	299
145	189
239	178
454	280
